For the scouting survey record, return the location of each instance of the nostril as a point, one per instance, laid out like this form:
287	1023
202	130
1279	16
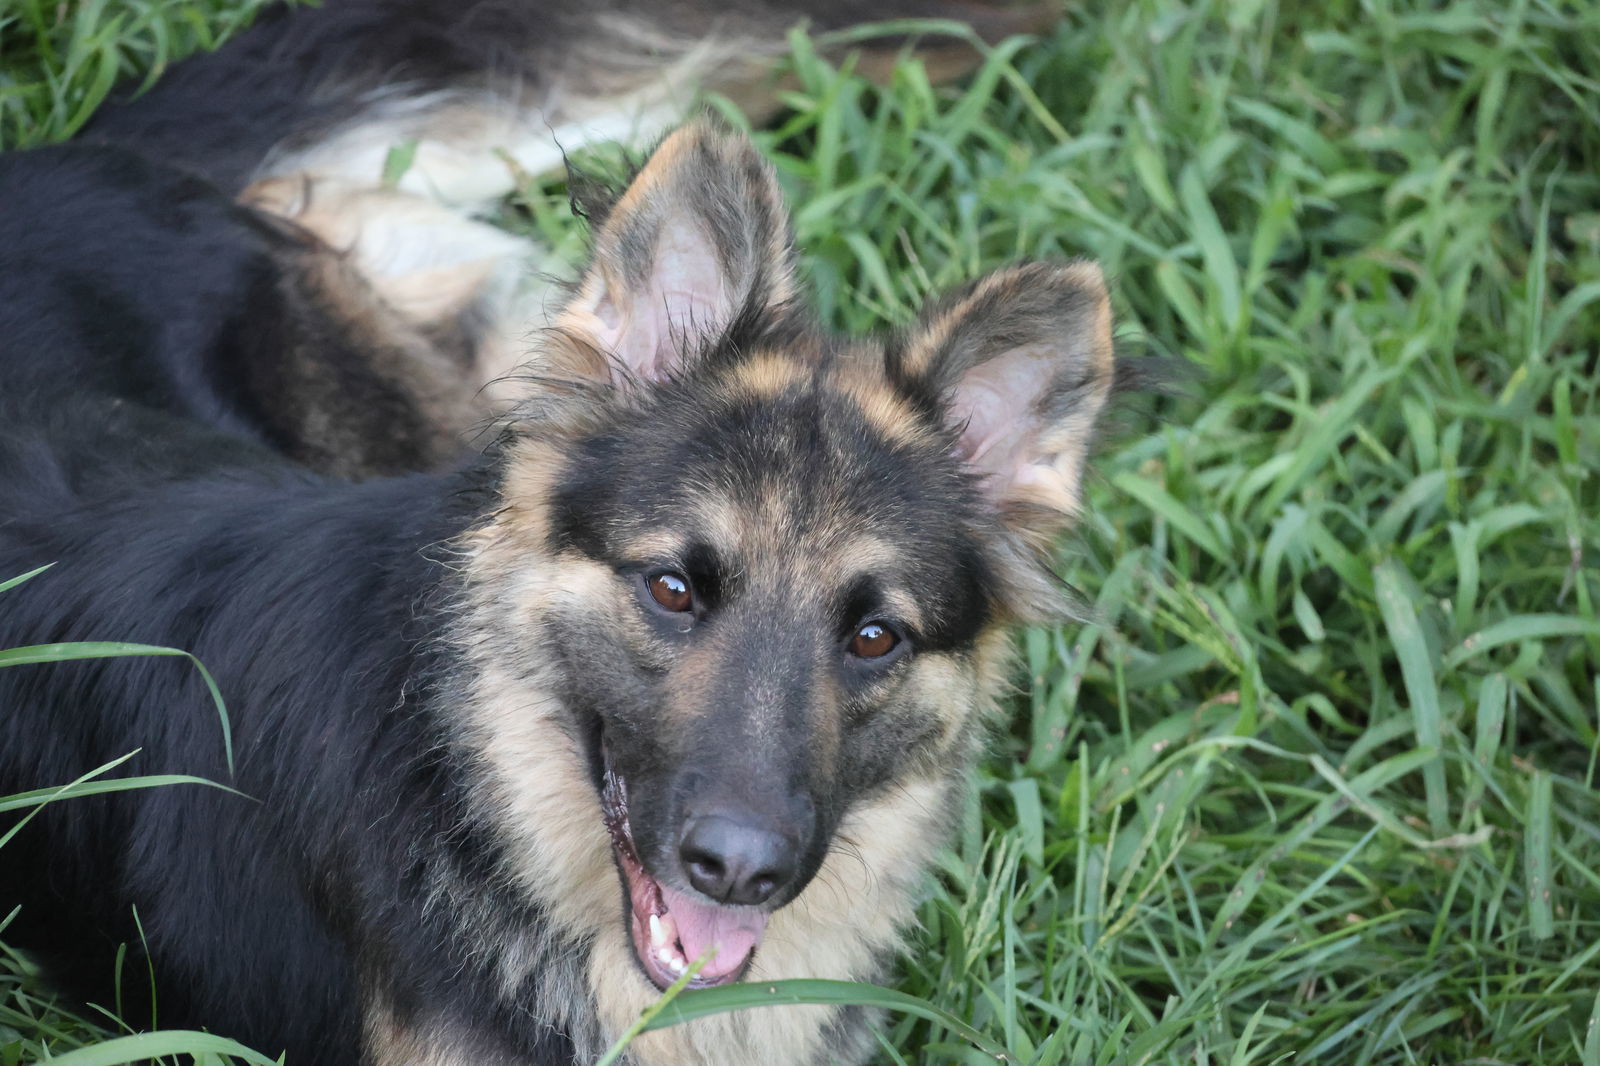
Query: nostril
705	859
703	867
760	885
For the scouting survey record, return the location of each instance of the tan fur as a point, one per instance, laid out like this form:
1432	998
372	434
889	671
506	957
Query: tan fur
766	376
535	781
655	545
389	1042
333	434
727	521
424	260
807	561
887	412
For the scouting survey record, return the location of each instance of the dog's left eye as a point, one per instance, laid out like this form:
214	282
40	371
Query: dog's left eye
873	641
671	590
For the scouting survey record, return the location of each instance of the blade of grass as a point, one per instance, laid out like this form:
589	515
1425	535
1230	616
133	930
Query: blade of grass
701	1003
59	653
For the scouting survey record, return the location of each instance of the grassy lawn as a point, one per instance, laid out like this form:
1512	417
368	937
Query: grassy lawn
1317	780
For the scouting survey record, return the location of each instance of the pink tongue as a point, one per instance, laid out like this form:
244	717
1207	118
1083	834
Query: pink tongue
734	930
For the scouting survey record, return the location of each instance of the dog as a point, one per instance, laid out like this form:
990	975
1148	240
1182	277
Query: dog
688	666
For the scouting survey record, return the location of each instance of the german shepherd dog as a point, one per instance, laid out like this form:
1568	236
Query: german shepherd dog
691	663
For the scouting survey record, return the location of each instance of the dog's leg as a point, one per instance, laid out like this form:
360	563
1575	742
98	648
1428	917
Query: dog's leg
417	240
449	280
356	381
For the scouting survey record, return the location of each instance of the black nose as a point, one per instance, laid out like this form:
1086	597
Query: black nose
736	863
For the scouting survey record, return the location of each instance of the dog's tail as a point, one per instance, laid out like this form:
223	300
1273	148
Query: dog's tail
332	90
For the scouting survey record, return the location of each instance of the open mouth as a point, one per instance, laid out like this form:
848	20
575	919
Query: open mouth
671	929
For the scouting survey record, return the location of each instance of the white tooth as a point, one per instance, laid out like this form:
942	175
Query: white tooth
657	935
666	956
677	965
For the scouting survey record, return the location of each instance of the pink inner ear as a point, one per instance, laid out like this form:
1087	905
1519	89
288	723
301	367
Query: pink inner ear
684	300
998	400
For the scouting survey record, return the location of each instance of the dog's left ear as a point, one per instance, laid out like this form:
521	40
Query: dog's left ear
1021	362
700	237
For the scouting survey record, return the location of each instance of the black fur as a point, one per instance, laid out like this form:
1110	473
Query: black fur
127	279
138	283
314	603
193	563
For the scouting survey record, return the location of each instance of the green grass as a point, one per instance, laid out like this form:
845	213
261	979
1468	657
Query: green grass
1318	781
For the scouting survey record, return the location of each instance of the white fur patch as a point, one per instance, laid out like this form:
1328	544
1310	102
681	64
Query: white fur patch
469	151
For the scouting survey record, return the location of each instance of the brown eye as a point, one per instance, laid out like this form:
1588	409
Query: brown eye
671	591
873	641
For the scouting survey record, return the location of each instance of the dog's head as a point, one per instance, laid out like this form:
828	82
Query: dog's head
775	566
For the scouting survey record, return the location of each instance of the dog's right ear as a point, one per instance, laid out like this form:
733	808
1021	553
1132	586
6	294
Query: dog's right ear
700	237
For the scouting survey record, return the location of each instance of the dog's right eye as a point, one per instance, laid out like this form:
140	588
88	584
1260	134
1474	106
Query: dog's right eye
671	590
873	641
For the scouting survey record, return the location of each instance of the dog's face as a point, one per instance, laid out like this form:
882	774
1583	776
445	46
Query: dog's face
791	589
782	559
